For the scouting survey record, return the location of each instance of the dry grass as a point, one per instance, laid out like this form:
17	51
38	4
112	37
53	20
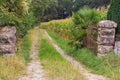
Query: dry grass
10	67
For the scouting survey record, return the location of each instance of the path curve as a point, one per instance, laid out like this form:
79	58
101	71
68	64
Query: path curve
86	73
34	68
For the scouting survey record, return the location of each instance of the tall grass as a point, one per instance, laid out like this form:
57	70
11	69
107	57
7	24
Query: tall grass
60	27
57	68
108	65
11	67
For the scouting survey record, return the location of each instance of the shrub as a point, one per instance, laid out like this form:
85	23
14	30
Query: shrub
114	12
16	13
27	23
82	19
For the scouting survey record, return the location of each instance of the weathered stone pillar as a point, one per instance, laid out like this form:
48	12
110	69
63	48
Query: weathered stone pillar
106	37
8	40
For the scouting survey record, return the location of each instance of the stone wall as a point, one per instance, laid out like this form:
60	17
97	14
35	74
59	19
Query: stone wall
106	37
7	40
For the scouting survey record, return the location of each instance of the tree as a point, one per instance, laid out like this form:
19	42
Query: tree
114	13
91	3
44	9
65	8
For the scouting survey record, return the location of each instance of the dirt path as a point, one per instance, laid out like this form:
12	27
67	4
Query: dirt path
34	69
83	71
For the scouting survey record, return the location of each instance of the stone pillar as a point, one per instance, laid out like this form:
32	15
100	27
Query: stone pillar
7	40
106	37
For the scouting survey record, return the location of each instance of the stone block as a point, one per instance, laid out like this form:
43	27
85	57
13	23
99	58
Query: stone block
102	49
106	37
107	24
117	47
106	31
8	40
106	40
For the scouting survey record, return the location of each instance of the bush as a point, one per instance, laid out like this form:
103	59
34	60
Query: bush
27	23
114	13
12	13
82	19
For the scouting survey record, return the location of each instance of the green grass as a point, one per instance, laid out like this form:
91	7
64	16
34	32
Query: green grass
55	65
25	45
108	65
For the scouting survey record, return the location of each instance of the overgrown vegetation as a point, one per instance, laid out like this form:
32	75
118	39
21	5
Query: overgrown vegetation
82	20
55	65
79	27
17	13
108	65
60	27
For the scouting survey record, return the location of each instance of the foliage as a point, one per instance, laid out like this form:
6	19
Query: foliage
108	65
16	13
78	4
82	20
76	28
60	27
113	13
64	8
44	10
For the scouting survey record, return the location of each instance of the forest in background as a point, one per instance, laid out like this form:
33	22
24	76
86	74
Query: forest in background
24	14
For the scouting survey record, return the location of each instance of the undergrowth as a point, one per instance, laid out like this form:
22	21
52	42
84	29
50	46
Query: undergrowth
55	65
108	65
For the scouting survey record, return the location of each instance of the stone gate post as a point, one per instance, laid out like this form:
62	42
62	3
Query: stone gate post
106	37
8	40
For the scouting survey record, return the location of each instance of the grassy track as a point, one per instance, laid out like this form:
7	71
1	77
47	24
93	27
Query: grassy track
55	65
108	65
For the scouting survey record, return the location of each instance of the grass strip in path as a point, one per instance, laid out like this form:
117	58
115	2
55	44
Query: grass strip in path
55	65
34	70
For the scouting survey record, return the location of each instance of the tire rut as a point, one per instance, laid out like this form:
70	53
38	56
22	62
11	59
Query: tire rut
34	70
